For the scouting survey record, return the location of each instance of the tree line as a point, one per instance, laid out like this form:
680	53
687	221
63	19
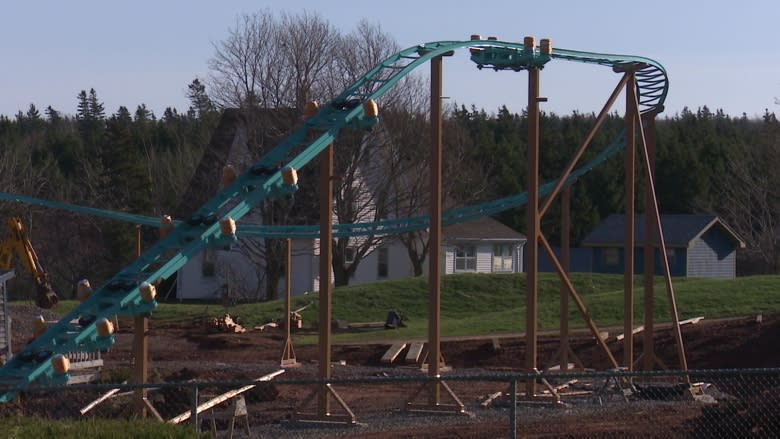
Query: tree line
268	68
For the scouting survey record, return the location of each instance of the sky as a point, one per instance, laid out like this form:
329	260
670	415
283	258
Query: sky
722	54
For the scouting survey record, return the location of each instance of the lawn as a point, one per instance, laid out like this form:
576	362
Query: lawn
479	304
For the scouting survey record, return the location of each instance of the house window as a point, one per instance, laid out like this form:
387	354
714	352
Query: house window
349	255
671	256
209	267
611	256
465	258
382	262
502	258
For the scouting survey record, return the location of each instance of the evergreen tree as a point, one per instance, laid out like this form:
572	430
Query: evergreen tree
96	108
200	102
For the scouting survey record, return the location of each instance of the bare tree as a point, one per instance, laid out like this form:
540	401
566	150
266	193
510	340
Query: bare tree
749	199
370	164
303	58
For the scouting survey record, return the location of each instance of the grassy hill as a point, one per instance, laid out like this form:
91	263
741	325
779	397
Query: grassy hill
478	304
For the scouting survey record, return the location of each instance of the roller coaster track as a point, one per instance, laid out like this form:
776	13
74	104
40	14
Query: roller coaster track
122	293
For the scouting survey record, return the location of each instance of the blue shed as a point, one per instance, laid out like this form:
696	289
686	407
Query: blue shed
696	245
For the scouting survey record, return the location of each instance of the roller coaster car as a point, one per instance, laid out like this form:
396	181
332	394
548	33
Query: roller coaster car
505	58
17	243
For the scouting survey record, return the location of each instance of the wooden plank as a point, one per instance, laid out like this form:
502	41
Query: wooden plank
366	325
100	399
415	350
492	397
692	321
84	378
224	397
634	331
81	365
393	352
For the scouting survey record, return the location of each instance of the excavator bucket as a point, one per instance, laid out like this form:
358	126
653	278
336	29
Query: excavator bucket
45	297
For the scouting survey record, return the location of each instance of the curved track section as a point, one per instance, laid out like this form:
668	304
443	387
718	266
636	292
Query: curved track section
78	330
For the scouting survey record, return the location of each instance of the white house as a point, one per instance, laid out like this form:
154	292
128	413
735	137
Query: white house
480	246
483	245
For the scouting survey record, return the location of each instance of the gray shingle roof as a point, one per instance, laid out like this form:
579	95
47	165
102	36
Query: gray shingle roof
679	230
483	228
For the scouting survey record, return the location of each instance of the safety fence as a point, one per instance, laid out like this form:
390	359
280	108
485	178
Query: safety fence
618	403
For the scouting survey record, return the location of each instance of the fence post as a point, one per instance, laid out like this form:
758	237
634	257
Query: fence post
513	408
194	414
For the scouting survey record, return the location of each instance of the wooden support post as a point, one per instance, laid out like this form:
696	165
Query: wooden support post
532	281
565	262
435	360
288	352
324	390
326	258
648	347
629	204
140	347
435	240
662	245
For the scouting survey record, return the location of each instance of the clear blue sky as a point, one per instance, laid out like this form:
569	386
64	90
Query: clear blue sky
722	54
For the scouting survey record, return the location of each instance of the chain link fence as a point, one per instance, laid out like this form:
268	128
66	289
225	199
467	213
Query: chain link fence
618	403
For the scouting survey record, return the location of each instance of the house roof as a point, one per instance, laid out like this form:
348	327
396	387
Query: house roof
679	230
483	229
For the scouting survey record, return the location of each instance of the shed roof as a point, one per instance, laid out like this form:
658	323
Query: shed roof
484	228
679	230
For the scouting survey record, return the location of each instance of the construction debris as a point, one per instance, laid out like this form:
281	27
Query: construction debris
226	324
268	325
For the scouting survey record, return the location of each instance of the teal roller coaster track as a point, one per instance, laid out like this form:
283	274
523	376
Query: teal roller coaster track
122	293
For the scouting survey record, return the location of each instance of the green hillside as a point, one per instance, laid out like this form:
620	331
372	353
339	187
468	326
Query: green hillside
479	304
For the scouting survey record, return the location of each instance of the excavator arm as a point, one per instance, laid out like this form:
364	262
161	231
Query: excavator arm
17	243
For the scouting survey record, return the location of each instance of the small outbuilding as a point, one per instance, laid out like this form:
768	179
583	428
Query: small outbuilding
696	246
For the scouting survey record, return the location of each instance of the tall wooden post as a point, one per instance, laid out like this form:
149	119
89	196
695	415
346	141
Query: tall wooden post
435	240
140	347
534	230
288	353
628	244
648	351
565	262
326	259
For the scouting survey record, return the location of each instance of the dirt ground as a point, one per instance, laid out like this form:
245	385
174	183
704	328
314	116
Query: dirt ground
189	350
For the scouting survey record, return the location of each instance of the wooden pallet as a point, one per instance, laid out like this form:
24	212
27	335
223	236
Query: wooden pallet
415	350
393	352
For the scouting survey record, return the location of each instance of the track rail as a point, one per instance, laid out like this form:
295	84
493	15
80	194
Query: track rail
121	294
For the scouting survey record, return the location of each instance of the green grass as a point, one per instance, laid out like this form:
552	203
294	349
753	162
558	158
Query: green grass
479	304
23	427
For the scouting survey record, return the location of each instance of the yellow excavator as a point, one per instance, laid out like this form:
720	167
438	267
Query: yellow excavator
17	243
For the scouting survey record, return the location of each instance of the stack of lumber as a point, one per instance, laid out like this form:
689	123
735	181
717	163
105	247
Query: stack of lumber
226	324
